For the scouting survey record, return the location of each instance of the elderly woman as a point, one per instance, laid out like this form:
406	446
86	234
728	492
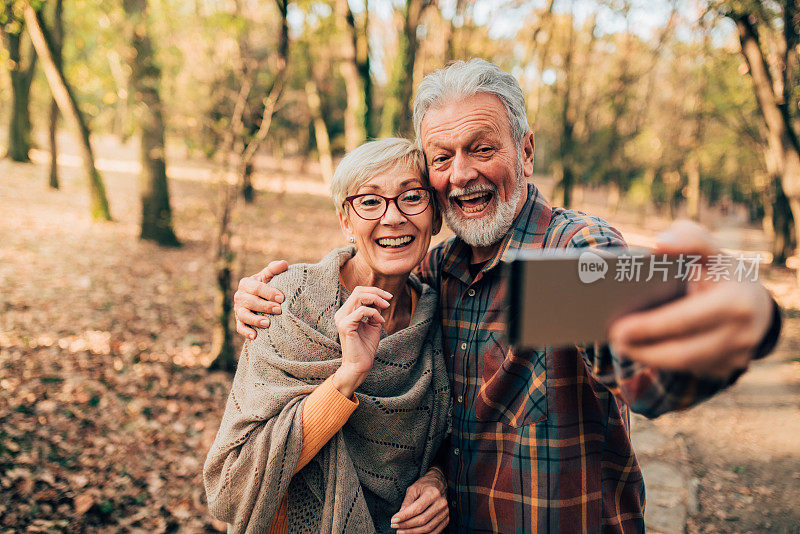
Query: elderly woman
337	410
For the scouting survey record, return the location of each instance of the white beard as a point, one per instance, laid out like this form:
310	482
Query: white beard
490	228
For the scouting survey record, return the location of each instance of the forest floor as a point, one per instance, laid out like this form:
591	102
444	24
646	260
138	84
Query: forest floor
106	407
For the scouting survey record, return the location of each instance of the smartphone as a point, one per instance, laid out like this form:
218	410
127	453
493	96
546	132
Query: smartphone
563	297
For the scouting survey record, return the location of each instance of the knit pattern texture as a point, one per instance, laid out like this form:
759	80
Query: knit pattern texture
358	480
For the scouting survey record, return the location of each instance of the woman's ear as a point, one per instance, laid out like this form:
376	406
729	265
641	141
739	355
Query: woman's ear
347	229
437	218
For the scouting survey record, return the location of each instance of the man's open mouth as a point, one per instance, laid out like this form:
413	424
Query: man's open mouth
473	202
394	242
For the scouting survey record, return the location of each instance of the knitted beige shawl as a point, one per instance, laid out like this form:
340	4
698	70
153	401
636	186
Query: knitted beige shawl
358	480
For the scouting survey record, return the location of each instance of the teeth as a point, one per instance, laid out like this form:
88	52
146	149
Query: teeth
471	196
395	241
475	209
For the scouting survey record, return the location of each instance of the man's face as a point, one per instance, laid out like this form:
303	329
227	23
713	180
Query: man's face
475	167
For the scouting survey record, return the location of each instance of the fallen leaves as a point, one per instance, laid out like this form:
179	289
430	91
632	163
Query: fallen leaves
83	502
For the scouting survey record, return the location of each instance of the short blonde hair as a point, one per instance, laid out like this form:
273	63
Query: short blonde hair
371	159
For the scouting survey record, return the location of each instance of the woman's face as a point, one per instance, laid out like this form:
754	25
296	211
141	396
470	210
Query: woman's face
395	243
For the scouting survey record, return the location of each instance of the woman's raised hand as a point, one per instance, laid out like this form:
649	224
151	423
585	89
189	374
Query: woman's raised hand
359	323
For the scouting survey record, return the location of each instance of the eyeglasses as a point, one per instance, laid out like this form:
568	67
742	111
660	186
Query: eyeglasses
371	206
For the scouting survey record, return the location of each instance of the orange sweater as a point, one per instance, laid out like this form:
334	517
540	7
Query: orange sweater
325	411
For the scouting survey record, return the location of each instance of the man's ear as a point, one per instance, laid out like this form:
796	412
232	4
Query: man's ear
527	154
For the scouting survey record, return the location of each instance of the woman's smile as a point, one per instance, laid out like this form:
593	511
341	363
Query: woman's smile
395	242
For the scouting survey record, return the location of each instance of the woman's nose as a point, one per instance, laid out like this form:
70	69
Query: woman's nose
393	214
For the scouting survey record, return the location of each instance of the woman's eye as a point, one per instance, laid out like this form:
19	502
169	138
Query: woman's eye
411	197
370	202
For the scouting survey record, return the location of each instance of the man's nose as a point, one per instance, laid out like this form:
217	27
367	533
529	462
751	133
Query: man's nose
463	170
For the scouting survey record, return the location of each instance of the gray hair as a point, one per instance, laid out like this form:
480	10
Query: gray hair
371	159
462	79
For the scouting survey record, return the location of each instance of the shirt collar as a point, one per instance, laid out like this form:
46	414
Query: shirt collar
526	232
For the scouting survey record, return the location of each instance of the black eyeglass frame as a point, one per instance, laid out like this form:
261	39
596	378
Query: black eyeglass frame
431	200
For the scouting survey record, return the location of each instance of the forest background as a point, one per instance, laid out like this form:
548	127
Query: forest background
158	150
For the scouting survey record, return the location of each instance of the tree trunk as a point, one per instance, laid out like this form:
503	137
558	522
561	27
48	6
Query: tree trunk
363	64
565	173
396	120
355	121
320	131
780	136
222	340
66	103
693	188
19	127
784	237
58	41
156	224
222	348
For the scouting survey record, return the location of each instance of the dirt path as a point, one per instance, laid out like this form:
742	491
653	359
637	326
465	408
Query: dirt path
744	447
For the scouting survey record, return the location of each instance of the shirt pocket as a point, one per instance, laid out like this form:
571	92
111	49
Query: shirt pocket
514	385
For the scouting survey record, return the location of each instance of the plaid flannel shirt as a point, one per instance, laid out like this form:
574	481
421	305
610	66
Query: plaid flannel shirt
540	439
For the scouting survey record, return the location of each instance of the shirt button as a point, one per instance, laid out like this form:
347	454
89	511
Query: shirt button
471	292
456	452
453	503
461	398
463	346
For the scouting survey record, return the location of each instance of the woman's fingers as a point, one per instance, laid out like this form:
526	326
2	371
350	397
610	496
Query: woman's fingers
364	314
365	296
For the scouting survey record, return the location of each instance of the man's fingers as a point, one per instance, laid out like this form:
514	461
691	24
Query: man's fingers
251	286
250	319
274	268
428	521
244	330
716	353
690	314
421	511
252	303
442	524
685	237
411	495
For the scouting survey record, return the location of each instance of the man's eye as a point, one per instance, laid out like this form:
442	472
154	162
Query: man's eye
484	149
440	159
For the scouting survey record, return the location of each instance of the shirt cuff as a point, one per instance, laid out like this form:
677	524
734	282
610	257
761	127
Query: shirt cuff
770	339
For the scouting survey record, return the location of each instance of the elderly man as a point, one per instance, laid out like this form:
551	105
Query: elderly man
540	438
